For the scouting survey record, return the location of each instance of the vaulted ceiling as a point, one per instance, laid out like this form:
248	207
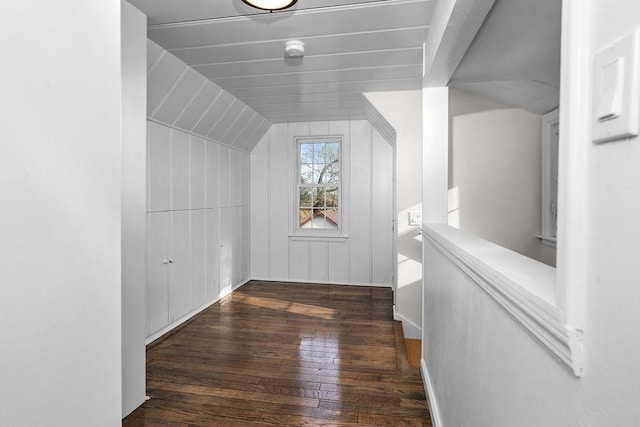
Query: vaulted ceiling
351	47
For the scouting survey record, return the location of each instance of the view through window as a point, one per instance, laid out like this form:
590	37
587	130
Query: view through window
318	185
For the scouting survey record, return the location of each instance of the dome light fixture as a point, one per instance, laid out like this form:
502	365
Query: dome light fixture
270	5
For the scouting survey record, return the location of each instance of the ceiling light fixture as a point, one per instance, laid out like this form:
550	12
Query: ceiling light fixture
270	5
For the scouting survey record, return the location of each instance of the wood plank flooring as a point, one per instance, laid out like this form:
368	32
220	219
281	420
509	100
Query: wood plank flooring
280	354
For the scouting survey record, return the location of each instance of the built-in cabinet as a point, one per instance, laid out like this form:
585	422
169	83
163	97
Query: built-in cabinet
197	225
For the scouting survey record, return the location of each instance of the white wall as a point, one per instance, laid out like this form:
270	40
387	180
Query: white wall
365	257
403	110
197	213
485	369
495	172
60	175
134	182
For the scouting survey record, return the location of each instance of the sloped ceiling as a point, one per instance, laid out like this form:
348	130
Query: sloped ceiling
515	56
182	98
352	46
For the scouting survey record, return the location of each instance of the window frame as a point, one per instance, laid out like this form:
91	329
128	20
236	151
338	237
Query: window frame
549	226
297	185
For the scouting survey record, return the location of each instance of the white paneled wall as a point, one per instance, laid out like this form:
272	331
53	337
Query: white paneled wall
365	256
197	238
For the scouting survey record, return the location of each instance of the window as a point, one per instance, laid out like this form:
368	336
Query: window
551	135
318	188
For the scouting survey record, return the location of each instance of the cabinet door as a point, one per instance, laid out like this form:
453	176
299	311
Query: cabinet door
213	248
179	170
180	291
159	158
226	251
157	265
198	258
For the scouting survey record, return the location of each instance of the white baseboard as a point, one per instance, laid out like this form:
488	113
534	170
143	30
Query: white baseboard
154	336
433	402
410	329
326	282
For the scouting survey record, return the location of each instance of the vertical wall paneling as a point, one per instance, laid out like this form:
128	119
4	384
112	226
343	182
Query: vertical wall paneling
197	173
212	175
179	170
339	262
198	257
259	216
157	271
226	260
364	256
203	239
382	211
299	261
159	182
180	292
318	261
360	203
223	175
234	178
279	202
212	254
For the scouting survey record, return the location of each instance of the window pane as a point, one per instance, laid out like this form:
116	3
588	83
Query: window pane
331	197
318	197
332	151
305	198
317	173
330	174
305	218
306	153
306	174
326	218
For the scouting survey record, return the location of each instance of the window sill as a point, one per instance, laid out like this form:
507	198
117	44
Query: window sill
313	237
524	287
547	240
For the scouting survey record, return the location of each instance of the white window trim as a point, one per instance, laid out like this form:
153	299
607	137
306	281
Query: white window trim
547	232
318	234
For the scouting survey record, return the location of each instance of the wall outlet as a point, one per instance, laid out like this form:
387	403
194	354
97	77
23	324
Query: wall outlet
415	218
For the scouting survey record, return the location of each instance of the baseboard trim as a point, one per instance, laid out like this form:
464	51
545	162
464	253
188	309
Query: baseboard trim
184	320
431	397
410	329
310	282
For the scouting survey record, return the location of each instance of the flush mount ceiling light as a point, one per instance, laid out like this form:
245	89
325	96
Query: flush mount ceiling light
270	5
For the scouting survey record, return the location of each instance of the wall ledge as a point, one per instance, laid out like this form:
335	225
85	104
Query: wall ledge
524	287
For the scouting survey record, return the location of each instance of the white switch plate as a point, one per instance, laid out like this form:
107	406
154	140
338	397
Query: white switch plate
415	218
616	90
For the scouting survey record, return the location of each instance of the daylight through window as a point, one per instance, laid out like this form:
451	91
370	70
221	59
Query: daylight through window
318	188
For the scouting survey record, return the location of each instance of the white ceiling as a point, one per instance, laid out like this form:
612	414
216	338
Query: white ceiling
515	56
352	46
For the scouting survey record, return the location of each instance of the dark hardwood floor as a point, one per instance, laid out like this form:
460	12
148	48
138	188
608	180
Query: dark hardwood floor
277	354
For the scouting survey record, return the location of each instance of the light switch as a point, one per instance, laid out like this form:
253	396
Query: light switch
415	218
616	89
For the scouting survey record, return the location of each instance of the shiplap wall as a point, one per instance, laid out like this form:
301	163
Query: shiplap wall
365	256
197	213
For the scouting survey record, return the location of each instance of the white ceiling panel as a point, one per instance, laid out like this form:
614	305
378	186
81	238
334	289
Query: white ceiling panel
161	80
197	105
315	63
166	11
213	114
227	119
351	46
180	96
401	38
237	127
362	17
